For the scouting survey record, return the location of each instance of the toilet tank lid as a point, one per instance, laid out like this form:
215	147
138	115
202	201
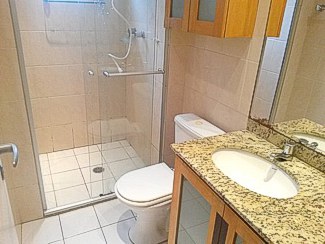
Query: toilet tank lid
196	125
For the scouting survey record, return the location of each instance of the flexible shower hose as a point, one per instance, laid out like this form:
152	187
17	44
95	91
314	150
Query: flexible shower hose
130	39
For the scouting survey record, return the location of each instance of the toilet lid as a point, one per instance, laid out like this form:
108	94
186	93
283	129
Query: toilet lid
146	184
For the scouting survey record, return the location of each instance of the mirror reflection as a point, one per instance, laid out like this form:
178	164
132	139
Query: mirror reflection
290	88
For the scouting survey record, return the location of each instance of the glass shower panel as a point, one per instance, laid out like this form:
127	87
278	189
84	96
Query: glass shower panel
119	109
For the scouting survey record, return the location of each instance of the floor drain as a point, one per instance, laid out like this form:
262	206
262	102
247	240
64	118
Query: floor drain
98	170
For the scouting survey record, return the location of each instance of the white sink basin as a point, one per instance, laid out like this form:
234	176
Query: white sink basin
311	138
255	173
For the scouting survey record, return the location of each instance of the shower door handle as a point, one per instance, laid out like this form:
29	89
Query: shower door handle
10	148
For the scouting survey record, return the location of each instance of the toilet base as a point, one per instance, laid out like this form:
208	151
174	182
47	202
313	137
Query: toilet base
151	226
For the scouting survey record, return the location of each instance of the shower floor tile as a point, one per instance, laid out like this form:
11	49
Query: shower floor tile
69	177
71	195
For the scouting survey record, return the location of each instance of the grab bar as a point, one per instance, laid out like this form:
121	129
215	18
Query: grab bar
158	72
76	1
10	148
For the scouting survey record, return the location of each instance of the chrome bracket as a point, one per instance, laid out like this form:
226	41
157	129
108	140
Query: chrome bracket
2	173
320	7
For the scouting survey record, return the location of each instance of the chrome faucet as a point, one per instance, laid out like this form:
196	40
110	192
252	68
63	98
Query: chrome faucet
312	145
286	154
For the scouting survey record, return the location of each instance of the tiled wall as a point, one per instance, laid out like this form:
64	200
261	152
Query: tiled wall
304	85
213	78
51	38
22	181
271	66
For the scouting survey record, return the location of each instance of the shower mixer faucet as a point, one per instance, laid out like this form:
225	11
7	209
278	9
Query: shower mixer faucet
138	34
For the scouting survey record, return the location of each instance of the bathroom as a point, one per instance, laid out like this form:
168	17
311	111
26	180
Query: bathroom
91	90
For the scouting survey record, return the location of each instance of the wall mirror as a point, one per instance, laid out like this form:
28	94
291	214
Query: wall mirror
289	95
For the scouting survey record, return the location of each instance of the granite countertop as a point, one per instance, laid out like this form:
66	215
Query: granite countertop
299	219
300	125
304	126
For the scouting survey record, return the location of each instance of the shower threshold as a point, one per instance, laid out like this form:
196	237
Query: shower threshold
81	204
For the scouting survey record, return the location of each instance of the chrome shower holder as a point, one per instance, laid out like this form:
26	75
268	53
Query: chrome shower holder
320	7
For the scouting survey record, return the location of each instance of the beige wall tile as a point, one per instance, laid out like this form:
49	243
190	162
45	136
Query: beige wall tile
41	112
62	137
10	85
7	36
31	15
67	109
58	80
80	138
44	139
315	110
28	203
49	48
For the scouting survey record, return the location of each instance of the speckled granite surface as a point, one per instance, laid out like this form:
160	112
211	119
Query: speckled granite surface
300	219
310	156
300	125
305	126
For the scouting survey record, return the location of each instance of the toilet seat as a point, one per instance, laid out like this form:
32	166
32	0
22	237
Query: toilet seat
146	187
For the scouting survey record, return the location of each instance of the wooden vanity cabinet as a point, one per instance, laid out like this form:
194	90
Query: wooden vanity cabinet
223	225
219	18
275	19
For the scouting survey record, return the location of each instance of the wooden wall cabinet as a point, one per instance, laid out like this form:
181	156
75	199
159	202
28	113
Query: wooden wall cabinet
219	18
223	224
275	18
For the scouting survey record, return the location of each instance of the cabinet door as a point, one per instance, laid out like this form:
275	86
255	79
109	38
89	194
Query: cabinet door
177	14
275	18
223	18
238	232
208	17
196	212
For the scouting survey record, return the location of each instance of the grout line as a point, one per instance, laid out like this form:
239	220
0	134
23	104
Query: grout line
99	223
82	233
120	221
61	226
69	187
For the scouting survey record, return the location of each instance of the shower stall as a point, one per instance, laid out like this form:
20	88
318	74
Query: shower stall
93	83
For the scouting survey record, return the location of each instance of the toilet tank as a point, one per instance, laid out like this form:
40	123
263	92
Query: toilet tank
190	126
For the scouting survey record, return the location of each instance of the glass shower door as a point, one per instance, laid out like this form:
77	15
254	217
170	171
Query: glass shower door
119	108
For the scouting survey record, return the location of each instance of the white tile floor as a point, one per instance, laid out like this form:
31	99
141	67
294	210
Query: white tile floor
68	175
107	222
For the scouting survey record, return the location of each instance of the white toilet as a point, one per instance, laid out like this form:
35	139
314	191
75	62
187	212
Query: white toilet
148	191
